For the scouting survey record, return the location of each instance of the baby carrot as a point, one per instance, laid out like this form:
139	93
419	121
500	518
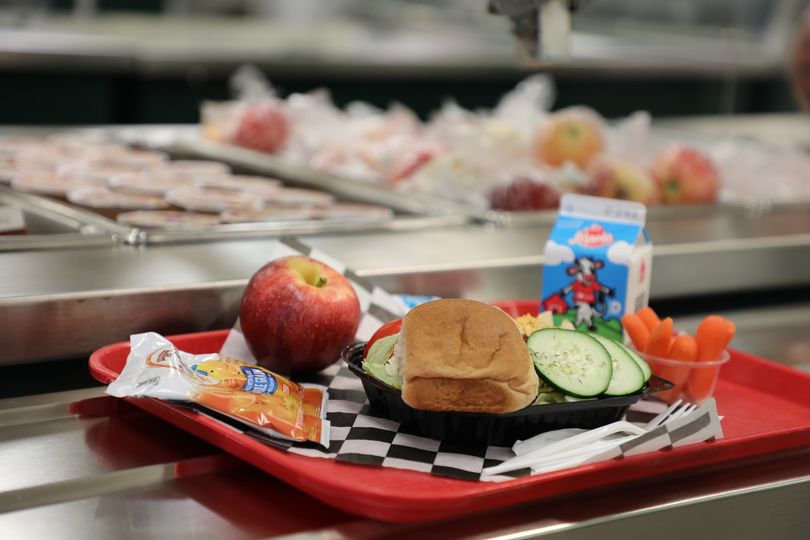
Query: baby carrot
713	336
635	328
660	339
649	318
684	348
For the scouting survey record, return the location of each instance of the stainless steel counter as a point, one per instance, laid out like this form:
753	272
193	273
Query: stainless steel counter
67	294
80	464
83	465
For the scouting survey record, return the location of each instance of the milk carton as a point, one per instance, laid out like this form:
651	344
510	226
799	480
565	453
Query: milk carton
598	261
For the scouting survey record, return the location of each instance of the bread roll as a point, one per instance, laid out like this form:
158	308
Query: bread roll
466	356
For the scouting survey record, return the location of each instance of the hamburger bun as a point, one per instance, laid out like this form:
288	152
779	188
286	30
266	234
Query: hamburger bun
466	356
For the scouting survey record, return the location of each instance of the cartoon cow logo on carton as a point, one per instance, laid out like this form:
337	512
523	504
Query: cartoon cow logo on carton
588	293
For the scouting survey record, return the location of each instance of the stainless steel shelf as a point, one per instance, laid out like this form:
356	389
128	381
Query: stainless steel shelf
51	225
52	221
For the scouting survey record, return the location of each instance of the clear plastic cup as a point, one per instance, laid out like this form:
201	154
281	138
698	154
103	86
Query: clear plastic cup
694	381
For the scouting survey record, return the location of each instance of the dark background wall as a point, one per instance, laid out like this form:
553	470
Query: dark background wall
84	97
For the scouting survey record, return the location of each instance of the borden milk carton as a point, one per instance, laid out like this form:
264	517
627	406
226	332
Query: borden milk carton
598	261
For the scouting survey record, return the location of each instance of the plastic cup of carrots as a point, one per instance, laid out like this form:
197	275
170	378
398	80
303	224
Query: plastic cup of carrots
692	364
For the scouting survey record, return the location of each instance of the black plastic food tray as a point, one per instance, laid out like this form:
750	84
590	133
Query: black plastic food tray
496	429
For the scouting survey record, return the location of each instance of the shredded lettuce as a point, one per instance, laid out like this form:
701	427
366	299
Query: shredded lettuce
379	363
545	398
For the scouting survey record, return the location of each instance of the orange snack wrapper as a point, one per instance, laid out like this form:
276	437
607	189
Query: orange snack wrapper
251	394
262	398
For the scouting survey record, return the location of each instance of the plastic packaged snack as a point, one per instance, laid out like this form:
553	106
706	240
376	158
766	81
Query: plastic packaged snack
110	203
45	183
167	219
264	188
301	197
353	211
267	214
150	183
99	171
195	168
245	392
143	159
210	200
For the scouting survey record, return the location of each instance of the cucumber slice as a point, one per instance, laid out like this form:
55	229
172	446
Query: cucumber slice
627	376
571	361
645	367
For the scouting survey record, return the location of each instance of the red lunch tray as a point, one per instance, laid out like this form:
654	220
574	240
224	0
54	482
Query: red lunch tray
766	408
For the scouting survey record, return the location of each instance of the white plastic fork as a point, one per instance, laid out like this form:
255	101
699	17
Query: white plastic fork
578	457
530	457
598	451
672	412
545	440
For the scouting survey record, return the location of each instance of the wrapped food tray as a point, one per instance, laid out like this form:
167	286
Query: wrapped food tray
766	408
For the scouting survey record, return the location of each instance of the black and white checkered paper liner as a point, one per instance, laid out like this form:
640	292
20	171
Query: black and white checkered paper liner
360	436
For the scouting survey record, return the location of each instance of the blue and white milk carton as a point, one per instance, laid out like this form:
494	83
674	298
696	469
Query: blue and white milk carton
598	261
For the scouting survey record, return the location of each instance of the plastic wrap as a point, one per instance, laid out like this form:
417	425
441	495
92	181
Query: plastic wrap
517	156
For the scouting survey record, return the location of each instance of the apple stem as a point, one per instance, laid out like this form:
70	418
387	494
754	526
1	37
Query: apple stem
321	281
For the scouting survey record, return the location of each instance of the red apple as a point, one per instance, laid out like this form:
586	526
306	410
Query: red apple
685	175
620	179
298	314
524	194
262	126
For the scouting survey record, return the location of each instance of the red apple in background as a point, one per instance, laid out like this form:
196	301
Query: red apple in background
298	314
620	179
261	126
685	175
524	194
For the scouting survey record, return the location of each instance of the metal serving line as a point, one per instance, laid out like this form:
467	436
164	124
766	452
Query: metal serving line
81	464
